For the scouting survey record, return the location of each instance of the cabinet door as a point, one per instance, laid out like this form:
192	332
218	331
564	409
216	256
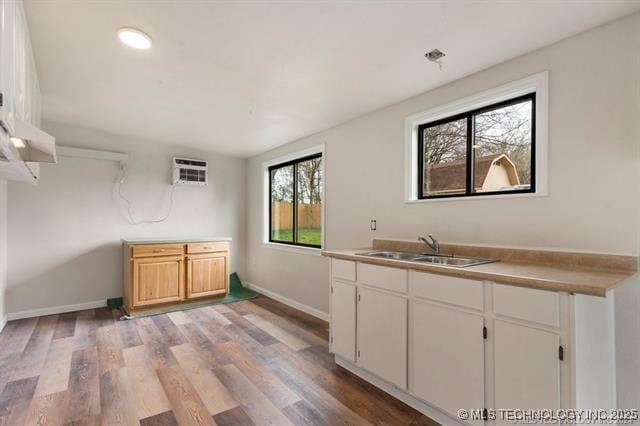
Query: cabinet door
8	13
527	367
343	320
207	275
382	335
158	280
447	357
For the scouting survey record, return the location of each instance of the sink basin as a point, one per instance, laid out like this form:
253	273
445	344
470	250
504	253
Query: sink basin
444	259
395	255
460	262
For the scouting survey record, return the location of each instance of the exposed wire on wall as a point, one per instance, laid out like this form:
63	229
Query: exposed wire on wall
129	216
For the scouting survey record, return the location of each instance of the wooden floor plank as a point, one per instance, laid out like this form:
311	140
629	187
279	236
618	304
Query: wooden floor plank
260	375
257	334
288	339
84	385
85	333
235	416
48	409
16	334
257	406
66	325
187	405
205	346
302	413
179	317
34	354
109	349
163	419
169	330
216	313
15	399
150	397
158	349
128	334
117	398
211	391
57	366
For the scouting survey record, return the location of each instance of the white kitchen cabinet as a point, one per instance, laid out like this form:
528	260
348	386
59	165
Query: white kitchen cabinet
382	335
527	367
8	29
343	320
447	357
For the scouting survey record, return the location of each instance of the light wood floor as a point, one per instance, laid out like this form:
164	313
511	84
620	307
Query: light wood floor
251	362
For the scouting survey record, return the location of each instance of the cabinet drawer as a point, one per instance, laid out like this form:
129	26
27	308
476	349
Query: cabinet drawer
207	247
149	250
442	288
384	277
528	304
344	269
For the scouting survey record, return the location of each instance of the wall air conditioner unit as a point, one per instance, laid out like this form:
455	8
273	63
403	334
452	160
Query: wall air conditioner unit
187	171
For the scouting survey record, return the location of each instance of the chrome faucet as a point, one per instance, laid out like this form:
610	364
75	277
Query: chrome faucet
433	244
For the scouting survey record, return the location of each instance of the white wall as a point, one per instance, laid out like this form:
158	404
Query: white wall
64	234
3	250
594	175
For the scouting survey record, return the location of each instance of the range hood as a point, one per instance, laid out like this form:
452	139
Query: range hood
32	144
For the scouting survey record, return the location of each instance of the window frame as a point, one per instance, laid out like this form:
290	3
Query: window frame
293	162
470	157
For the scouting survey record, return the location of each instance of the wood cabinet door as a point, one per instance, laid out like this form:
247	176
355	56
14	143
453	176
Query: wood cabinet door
207	275
447	357
527	368
343	320
158	280
382	335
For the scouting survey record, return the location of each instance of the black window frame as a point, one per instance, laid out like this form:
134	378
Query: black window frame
293	163
470	160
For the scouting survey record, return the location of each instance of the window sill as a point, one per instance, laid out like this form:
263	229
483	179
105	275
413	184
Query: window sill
480	197
311	251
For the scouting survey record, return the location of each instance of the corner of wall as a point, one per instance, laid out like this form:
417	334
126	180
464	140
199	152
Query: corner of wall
3	252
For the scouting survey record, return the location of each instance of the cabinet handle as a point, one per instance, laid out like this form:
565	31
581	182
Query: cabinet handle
158	251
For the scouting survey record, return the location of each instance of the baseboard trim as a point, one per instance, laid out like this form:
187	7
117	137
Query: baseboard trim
56	310
3	322
289	302
427	410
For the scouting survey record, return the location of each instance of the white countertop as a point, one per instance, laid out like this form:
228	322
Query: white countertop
173	240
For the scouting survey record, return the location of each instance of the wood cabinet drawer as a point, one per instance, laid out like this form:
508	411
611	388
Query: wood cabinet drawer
343	269
384	277
149	250
527	304
442	288
207	247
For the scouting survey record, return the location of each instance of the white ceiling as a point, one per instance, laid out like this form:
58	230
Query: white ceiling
245	77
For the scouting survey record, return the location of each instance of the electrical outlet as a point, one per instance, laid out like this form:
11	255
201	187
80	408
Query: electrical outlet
373	225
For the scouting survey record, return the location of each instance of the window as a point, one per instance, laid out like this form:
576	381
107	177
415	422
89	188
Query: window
295	202
486	151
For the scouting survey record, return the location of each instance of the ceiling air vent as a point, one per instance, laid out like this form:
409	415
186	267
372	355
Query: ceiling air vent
187	171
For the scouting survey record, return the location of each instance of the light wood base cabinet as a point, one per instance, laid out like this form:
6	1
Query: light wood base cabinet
162	275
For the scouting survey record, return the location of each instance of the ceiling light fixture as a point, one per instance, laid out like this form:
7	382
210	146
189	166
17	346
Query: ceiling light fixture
134	38
17	142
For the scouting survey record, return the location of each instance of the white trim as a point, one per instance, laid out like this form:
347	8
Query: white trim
3	322
56	310
92	154
289	302
318	149
398	393
309	251
538	83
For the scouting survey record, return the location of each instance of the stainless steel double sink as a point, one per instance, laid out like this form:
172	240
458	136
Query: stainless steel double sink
438	259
